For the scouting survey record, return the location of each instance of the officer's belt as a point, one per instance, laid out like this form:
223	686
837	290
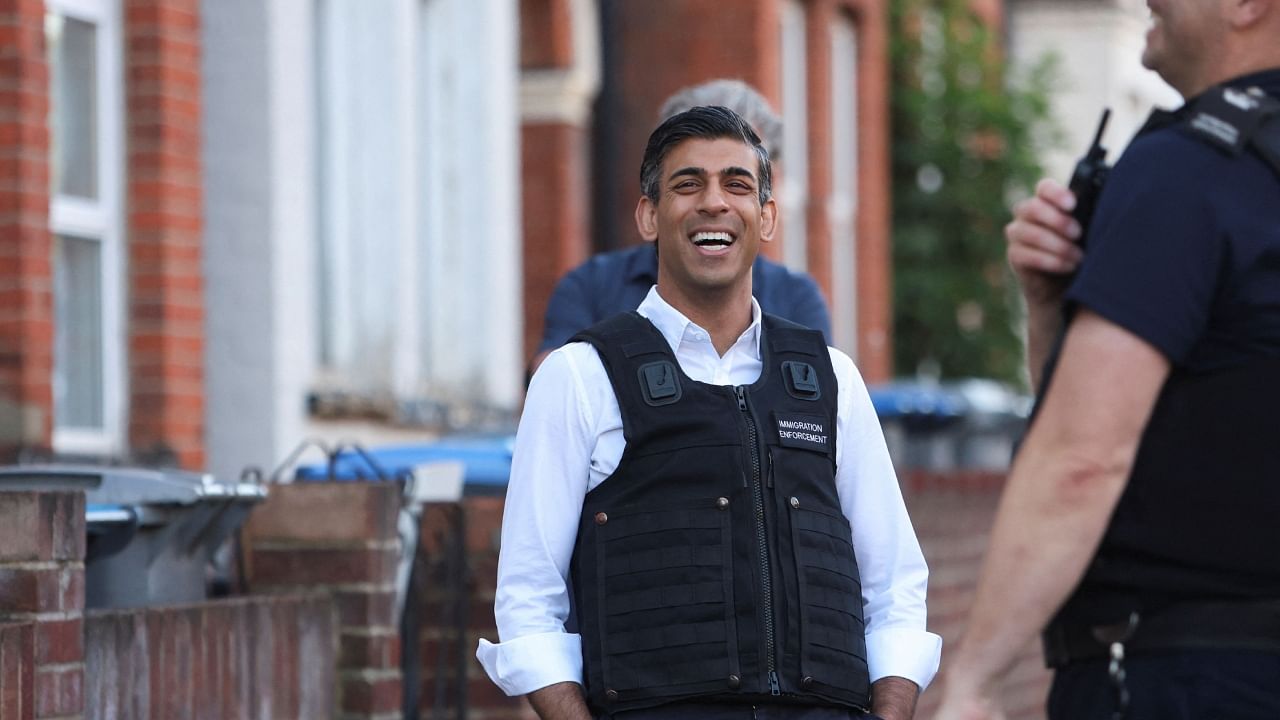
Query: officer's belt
1235	625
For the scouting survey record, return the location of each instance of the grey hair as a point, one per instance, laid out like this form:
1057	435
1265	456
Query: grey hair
738	97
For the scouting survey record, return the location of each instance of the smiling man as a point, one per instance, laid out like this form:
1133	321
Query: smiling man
706	486
1138	527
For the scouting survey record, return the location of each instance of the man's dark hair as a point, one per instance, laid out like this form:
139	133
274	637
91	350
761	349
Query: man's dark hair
707	123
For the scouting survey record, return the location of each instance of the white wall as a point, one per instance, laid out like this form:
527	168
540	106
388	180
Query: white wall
259	209
1099	47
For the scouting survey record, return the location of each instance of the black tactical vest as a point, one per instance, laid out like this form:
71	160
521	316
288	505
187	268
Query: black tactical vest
715	563
1198	518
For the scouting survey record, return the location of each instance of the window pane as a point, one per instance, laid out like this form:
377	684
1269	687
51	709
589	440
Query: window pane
77	288
73	106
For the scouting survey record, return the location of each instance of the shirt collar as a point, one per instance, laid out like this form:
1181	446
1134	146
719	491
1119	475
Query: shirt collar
673	324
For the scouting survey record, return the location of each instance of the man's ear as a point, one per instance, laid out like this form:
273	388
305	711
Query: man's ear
768	220
647	219
1244	13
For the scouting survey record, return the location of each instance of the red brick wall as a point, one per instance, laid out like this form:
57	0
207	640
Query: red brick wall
17	667
166	305
42	543
26	300
546	34
340	537
952	514
239	659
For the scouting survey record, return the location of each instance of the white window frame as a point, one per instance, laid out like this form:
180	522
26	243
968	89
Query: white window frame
100	220
842	205
793	190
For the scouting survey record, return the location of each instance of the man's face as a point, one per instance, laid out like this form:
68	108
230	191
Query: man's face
708	221
1182	40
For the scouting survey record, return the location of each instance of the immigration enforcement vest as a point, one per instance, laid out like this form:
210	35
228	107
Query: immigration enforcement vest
715	563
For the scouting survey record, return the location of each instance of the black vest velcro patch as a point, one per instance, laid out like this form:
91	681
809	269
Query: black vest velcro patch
659	383
801	380
807	432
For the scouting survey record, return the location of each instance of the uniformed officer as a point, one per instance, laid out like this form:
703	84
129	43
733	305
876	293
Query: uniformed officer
708	487
1138	528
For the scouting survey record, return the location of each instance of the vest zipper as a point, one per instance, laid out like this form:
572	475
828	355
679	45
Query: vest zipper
762	540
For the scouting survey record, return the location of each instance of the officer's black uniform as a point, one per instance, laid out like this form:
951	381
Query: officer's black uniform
714	568
1185	253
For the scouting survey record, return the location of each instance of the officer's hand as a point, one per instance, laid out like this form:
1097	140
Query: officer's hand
1042	243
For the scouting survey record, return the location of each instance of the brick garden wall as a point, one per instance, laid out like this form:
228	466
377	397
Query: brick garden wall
17	663
952	514
42	545
254	658
339	537
244	658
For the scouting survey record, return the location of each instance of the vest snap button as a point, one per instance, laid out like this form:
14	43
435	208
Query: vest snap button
611	694
806	683
795	502
601	519
735	682
722	503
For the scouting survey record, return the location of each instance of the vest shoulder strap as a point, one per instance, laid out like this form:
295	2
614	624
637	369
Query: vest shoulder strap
1236	120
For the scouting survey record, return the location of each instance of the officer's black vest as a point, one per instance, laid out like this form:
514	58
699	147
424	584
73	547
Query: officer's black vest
715	563
1199	519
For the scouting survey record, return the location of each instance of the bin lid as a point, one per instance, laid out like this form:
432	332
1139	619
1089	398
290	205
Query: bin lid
486	459
105	485
899	400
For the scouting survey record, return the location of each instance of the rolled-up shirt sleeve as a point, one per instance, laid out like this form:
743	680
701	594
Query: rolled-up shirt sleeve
549	474
892	567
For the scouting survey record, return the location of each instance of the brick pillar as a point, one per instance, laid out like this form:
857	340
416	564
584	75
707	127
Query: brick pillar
26	299
340	537
558	83
166	303
17	671
42	539
874	224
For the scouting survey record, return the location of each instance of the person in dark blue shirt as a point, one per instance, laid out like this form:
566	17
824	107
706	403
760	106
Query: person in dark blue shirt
617	281
1138	526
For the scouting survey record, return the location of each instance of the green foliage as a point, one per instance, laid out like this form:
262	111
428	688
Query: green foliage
965	140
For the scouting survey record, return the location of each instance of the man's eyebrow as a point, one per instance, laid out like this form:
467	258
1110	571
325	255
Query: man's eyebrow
731	171
688	172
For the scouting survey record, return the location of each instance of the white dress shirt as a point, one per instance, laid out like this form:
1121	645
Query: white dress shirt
570	440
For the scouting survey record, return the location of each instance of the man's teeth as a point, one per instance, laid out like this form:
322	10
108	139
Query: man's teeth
707	239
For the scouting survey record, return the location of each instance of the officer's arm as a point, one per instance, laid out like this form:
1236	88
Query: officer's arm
1062	489
562	701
